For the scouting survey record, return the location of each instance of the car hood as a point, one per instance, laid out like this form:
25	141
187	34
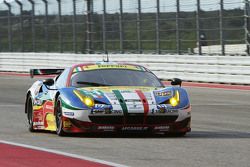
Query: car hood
115	95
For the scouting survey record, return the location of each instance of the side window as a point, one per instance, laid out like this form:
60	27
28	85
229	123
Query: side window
62	79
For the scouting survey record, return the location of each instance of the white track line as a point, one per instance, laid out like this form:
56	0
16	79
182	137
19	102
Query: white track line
64	153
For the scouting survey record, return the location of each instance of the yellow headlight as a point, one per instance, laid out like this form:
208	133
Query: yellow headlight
88	101
174	101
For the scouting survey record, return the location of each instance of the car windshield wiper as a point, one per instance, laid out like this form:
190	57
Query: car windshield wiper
92	83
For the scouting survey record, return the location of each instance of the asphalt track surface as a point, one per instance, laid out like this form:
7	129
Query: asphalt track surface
220	132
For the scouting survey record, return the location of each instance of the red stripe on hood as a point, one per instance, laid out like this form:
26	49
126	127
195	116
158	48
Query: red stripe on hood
144	102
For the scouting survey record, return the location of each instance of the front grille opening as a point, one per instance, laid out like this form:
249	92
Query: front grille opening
110	120
135	119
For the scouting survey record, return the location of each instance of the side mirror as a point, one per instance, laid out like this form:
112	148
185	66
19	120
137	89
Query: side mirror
48	82
176	81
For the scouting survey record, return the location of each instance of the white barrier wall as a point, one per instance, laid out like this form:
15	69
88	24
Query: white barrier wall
219	69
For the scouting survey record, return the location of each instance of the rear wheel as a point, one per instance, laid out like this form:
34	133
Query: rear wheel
59	122
29	111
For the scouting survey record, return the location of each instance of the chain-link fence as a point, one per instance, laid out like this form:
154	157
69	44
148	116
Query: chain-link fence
125	26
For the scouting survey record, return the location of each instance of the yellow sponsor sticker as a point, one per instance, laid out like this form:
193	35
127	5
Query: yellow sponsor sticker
108	66
51	122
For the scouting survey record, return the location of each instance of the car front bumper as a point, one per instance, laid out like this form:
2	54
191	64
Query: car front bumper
76	126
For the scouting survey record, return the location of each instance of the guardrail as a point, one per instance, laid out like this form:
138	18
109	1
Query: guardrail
233	49
218	69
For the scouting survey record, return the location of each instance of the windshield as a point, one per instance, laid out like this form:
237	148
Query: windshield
114	77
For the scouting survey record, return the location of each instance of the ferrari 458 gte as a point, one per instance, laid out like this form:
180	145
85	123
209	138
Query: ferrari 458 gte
106	97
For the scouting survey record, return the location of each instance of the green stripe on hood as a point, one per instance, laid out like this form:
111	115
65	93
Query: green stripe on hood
121	101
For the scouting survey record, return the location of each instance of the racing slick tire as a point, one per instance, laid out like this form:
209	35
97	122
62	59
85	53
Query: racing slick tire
58	115
29	111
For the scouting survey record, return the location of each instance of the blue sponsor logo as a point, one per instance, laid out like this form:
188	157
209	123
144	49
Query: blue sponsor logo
163	108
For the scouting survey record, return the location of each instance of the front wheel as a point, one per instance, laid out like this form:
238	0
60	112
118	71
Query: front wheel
58	114
29	111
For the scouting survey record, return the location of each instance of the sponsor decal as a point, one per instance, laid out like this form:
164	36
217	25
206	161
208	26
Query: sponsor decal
50	122
38	123
162	106
97	106
132	128
67	124
163	110
69	113
166	93
107	66
162	128
40	127
101	111
166	108
106	128
49	107
97	111
133	100
125	91
101	108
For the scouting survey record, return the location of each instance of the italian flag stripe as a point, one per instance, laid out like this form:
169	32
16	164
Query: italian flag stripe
144	102
121	101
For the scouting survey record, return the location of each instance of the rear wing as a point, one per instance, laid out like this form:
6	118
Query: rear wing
34	72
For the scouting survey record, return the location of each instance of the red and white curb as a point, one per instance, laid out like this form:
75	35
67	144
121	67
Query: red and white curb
16	154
